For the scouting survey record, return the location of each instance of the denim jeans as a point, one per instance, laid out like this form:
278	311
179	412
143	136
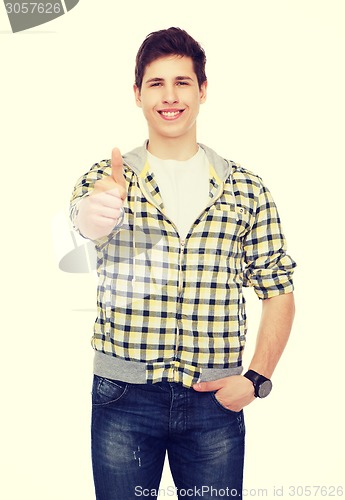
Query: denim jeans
135	425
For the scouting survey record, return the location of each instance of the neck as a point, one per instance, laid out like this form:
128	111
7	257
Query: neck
173	148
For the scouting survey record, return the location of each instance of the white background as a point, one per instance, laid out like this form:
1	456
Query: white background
275	105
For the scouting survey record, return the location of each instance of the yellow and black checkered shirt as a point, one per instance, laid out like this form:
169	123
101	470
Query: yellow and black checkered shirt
177	305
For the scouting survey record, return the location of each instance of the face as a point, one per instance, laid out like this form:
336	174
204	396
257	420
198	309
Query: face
170	97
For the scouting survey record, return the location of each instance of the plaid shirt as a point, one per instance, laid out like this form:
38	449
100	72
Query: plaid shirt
177	305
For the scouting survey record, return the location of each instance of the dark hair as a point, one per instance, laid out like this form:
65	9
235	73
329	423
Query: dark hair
171	41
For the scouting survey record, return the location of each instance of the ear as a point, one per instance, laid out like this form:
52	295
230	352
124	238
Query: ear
203	92
137	95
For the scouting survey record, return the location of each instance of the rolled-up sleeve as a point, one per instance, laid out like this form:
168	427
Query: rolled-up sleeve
269	268
85	185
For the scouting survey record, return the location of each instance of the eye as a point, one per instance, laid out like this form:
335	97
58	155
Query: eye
182	83
156	84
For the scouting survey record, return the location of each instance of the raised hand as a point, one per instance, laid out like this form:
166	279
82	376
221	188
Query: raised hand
99	212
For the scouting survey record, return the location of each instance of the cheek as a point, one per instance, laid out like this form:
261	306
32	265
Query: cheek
148	112
147	108
195	106
148	105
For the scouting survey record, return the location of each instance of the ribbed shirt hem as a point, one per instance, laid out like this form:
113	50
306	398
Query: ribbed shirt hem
133	372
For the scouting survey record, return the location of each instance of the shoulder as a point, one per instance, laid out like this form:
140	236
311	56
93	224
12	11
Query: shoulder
244	179
99	169
231	171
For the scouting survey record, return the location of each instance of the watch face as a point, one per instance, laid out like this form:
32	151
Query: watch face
264	389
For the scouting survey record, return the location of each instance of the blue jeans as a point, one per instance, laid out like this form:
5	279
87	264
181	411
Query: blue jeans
134	425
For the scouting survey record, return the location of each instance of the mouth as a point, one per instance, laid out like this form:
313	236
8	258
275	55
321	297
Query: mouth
170	114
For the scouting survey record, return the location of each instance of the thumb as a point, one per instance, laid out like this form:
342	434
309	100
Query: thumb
117	168
215	385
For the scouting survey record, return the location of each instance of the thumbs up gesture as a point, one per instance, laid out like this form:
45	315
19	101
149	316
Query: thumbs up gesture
117	169
99	212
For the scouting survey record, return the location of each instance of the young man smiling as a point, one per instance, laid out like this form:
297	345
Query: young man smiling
170	97
179	231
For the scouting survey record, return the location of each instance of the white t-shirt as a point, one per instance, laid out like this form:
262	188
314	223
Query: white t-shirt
184	187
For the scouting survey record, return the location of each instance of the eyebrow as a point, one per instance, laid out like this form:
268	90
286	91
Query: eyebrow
177	78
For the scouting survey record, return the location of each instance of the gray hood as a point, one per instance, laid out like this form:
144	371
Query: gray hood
136	160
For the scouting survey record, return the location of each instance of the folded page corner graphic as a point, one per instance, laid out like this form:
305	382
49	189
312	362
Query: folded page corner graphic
70	4
26	15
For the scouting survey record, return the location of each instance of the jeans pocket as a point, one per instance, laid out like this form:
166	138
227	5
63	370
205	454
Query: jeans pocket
221	406
106	391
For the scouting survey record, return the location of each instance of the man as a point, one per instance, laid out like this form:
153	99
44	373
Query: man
179	231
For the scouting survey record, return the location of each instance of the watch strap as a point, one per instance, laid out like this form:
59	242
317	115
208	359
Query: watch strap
257	379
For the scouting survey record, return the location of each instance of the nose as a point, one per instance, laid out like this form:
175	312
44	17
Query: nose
170	95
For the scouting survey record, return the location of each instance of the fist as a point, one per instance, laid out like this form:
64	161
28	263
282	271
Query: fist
99	212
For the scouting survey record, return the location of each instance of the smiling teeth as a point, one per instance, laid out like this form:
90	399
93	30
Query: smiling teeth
170	113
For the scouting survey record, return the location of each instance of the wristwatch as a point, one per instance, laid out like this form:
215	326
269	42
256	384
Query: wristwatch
262	385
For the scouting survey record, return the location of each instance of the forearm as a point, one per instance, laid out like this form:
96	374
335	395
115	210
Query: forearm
274	330
237	391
